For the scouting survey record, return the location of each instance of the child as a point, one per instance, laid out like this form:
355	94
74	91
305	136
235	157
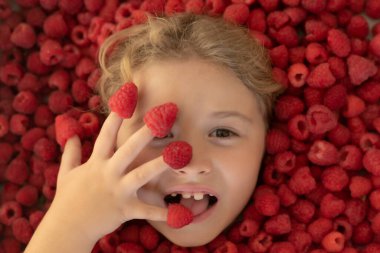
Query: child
220	79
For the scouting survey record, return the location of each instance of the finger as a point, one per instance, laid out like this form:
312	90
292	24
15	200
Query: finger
149	212
144	173
130	149
72	155
105	143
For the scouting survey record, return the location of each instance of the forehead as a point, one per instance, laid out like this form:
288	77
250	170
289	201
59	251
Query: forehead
191	82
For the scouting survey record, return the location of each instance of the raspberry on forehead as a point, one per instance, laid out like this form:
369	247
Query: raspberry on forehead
124	100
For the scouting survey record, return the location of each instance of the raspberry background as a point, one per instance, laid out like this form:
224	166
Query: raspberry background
319	189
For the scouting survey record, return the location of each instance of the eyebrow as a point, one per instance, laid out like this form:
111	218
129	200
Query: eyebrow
234	114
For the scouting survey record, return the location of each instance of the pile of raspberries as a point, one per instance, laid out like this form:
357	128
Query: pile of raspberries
319	190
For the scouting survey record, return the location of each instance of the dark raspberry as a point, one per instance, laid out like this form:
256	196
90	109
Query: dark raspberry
9	212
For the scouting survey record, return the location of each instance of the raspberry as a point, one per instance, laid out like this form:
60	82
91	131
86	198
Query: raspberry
371	161
320	119
267	203
302	182
315	53
278	19
174	6
59	102
66	127
369	141
360	186
315	30
369	91
321	77
6	152
285	161
179	216
331	206
319	228
338	67
358	27
312	96
25	102
360	69
297	128
149	237
278	225
108	242
323	153
374	198
342	225
296	15
334	178
124	100
31	137
22	230
177	154
236	13
335	97
287	36
226	247
127	247
45	149
35	65
269	5
333	241
11	73
282	247
249	227
84	67
55	26
356	211
297	74
195	6
338	42
90	123
19	124
51	52
70	7
276	141
261	242
59	79
362	233
350	157
93	6
354	106
301	240
30	82
35	218
27	195
287	107
287	197
17	171
314	6
4	125
9	212
160	119
374	45
257	20
23	36
372	9
303	211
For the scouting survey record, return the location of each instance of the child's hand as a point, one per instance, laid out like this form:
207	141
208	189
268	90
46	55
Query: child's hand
98	196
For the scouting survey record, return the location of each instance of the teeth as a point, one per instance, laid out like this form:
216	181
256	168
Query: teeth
198	195
174	194
186	195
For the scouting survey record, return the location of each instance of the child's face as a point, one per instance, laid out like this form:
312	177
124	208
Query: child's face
220	118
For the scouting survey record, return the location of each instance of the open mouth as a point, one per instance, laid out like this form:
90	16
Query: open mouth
196	202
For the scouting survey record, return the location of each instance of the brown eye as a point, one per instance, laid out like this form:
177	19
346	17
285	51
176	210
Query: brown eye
222	133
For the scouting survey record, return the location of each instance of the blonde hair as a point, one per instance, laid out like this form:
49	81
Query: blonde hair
183	36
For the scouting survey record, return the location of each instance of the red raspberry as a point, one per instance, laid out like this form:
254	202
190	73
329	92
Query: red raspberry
51	52
376	124
301	240
19	124
359	47
25	102
350	157
9	212
127	247
369	141
269	5
287	107
11	73
333	241
338	42
321	77
303	211
177	154
287	197
257	20
342	225
315	30
319	228
334	178
59	102
302	181
369	91
160	119
331	206
66	127
267	203
90	123
149	237
55	26
70	7
296	15
22	230
362	233
335	97
278	225
35	17
179	216
284	162
360	186
276	141
315	53
287	36
356	211
320	119
23	36
9	191
371	161
312	96
195	6
4	125
323	153
282	247
279	56
174	6
236	13
35	218
248	228
59	79
84	67
314	6
360	69
108	242
354	106
297	127
338	67
80	91
6	152
93	6
27	195
31	137
43	117
17	171
35	65
261	242
372	9
45	149
374	199
358	27
124	100
226	247
130	233
297	74
374	45
30	82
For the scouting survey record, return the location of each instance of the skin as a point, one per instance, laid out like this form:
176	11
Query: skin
218	116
